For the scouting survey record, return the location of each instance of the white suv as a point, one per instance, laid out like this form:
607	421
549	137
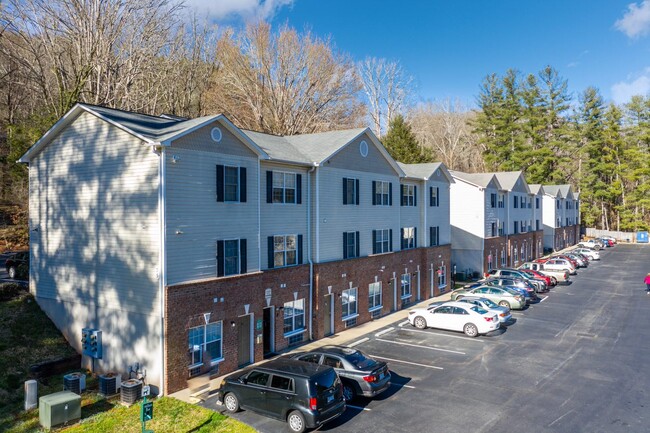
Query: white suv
592	254
590	244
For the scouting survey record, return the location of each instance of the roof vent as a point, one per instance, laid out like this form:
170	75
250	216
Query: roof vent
216	134
363	148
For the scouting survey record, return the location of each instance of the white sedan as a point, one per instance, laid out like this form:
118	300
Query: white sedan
595	255
455	316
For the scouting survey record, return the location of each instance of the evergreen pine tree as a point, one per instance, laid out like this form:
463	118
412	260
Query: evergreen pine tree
402	144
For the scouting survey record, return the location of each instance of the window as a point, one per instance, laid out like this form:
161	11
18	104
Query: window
530	202
408	195
283	187
516	228
374	296
294	317
434	196
516	201
442	276
258	378
536	202
493	231
350	191
490	265
282	383
557	204
231	184
382	193
205	339
493	200
349	303
537	225
501	200
501	228
285	251
503	258
382	241
231	257
408	238
434	236
515	256
405	288
350	245
522	226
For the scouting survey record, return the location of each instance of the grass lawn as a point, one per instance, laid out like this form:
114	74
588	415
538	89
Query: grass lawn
27	336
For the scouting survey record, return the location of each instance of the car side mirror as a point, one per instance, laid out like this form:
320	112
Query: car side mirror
243	380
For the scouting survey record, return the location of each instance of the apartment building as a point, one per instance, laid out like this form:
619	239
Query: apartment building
197	247
561	216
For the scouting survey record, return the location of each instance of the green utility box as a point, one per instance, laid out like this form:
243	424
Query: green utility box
59	408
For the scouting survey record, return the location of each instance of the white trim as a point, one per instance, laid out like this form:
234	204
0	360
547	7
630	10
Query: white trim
294	333
373	309
162	271
349	317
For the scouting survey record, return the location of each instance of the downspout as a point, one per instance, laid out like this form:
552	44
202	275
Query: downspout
507	231
311	262
162	273
259	214
425	227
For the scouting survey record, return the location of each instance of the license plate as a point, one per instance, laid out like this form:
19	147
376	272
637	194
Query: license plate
330	398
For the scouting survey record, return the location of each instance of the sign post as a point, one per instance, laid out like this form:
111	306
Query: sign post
146	409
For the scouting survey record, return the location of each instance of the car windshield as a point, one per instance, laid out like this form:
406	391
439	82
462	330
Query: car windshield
359	360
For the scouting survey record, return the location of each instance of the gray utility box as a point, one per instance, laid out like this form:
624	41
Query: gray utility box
59	408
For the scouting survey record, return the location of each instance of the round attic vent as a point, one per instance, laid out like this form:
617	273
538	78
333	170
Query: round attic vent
363	148
216	134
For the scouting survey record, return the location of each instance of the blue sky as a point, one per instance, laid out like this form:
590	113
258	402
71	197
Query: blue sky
450	46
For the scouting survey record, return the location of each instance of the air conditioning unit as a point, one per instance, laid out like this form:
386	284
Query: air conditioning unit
131	391
74	382
109	384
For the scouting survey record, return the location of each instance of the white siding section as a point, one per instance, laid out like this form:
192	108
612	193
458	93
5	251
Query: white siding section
440	215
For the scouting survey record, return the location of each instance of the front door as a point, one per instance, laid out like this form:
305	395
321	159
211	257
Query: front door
267	337
327	315
244	340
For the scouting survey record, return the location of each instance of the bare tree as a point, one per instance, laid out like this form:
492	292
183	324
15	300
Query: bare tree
285	83
444	128
388	91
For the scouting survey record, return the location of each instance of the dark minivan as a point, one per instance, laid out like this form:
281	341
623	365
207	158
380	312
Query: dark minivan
302	394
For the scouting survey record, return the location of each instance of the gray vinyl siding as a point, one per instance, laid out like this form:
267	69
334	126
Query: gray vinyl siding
195	220
94	219
335	218
468	209
440	215
282	218
411	216
350	158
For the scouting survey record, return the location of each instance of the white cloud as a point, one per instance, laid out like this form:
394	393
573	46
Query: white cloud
246	9
636	21
623	91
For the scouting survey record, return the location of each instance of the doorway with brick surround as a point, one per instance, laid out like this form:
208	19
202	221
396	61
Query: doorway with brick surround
244	342
328	306
268	336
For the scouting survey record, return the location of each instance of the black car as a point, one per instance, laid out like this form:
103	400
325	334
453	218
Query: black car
359	374
304	395
17	265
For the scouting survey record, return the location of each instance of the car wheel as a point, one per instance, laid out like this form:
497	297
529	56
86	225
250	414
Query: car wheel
231	402
419	322
504	304
470	330
12	272
348	392
296	422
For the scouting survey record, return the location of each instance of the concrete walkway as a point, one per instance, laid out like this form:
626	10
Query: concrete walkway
203	390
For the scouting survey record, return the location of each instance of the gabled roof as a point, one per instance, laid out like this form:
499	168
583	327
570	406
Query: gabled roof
481	180
536	188
425	171
566	190
150	129
553	191
508	179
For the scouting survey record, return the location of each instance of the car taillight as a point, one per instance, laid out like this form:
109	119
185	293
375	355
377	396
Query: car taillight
488	319
313	403
370	378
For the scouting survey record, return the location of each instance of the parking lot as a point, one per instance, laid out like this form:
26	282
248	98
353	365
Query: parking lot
579	360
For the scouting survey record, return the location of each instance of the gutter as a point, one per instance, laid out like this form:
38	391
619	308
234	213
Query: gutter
311	262
162	272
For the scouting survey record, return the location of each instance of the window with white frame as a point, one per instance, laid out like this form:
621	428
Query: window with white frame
350	191
284	250
231	183
501	228
405	287
350	245
294	316
408	238
523	254
434	196
536	202
515	201
374	296
381	239
490	264
493	200
501	200
442	276
231	257
284	187
205	339
408	195
381	191
515	257
434	236
503	258
349	303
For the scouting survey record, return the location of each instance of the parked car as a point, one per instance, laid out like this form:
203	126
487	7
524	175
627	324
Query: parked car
594	255
540	286
611	239
559	264
566	257
17	265
360	374
455	316
591	243
500	295
518	284
549	280
581	261
538	266
302	394
503	313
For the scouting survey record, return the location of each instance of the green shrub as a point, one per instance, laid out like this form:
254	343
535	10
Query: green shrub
9	291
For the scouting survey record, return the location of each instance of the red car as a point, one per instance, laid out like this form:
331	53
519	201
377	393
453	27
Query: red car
548	280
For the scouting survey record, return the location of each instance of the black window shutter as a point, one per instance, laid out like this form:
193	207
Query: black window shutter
220	182
431	236
390	238
415	237
374	241
415	195
299	188
243	258
345	245
356	182
356	235
242	184
430	196
437	196
220	259
300	262
269	186
401	195
401	236
271	250
374	192
390	195
345	190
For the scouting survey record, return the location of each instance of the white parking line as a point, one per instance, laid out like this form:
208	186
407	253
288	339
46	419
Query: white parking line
445	335
358	408
363	340
423	347
406	362
543	299
402	386
406	322
385	331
